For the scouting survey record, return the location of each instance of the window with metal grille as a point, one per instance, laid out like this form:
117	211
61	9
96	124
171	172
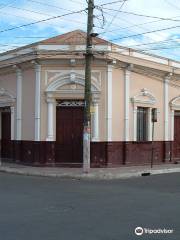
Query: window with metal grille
142	124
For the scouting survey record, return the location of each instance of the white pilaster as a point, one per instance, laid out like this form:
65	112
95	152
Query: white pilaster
95	118
135	123
172	125
166	108
126	103
37	102
19	104
12	122
150	124
51	113
109	103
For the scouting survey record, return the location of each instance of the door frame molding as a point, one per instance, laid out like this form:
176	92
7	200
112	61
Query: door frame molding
8	100
54	91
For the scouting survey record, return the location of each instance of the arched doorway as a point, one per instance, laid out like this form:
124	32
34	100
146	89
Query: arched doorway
6	123
175	128
65	117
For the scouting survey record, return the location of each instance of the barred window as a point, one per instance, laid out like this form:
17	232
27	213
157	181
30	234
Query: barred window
142	124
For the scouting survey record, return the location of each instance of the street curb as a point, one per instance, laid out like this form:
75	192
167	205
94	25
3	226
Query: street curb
90	176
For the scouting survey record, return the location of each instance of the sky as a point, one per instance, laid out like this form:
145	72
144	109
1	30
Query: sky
121	23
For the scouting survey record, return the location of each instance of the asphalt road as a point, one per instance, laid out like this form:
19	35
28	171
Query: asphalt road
35	208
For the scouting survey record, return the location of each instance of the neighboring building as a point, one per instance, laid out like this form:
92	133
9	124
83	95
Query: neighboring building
41	104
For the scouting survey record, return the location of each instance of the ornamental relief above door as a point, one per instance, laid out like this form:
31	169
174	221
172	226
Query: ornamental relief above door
54	75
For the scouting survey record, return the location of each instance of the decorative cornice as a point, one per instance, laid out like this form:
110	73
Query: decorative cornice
144	93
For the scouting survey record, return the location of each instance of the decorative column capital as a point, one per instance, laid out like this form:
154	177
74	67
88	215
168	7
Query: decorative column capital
18	70
50	100
37	66
109	67
12	109
129	67
95	101
168	77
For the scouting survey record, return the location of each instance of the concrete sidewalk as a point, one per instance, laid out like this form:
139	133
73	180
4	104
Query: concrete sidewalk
95	173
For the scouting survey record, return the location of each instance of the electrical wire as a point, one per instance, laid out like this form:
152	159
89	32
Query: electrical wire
7	5
110	3
140	34
172	4
41	21
142	15
134	25
161	48
48	5
44	14
127	21
155	42
114	17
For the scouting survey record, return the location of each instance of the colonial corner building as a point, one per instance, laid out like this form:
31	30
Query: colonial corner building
42	99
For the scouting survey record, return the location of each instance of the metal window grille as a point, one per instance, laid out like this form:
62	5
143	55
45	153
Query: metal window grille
142	124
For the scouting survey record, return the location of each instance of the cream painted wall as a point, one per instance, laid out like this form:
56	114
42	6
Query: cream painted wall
28	104
154	86
117	104
8	82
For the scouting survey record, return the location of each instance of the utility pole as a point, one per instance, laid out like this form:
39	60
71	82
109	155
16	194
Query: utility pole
87	93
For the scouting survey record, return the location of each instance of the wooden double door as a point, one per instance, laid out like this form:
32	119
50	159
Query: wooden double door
176	143
69	135
6	144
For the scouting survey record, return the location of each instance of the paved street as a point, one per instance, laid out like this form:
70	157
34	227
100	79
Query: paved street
37	208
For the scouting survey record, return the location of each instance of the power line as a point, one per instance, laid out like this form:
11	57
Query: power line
100	7
134	25
32	11
109	3
45	14
74	1
7	5
142	15
161	48
49	5
114	17
12	14
155	42
139	34
172	4
41	21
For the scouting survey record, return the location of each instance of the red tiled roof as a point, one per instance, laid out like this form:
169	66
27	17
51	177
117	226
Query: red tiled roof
76	37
